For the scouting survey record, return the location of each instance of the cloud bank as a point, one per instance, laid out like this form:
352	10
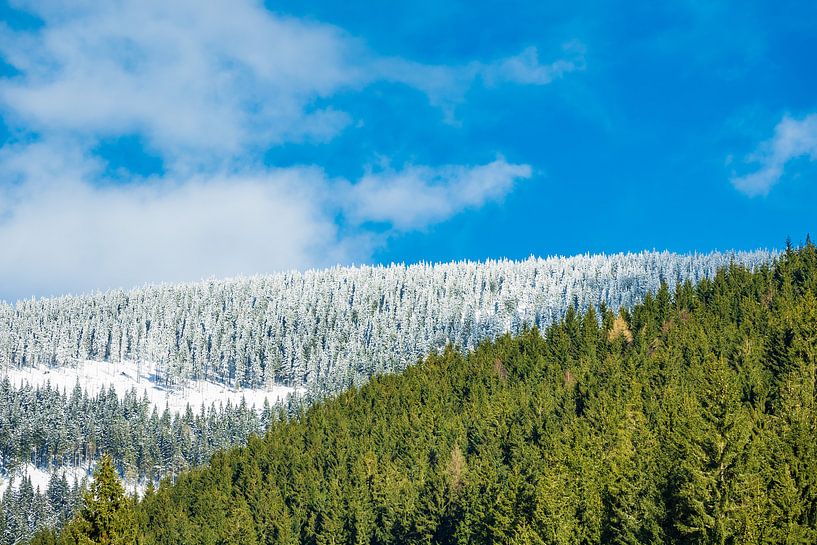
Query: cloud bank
793	138
209	87
59	233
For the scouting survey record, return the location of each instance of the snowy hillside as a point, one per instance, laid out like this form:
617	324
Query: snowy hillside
330	328
56	423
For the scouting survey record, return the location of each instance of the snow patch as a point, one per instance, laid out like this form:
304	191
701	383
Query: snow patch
40	477
94	376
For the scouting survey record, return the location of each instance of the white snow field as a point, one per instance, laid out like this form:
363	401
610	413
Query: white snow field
41	477
93	376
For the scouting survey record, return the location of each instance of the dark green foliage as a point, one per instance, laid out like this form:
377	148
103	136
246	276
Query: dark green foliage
689	419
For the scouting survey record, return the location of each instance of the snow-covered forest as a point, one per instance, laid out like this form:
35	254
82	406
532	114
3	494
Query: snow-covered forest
331	328
26	507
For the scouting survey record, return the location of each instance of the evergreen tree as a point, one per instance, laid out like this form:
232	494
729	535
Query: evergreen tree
715	451
107	517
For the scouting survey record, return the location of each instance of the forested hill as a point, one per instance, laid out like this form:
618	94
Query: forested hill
689	419
329	329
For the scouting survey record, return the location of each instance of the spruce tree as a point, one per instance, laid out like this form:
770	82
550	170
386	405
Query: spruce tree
107	518
714	448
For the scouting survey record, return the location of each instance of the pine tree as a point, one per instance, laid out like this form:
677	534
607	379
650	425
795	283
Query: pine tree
58	496
107	518
633	508
714	447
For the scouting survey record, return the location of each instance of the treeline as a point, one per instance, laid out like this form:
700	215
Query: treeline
334	328
689	419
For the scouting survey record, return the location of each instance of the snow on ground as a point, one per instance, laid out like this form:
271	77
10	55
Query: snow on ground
40	477
93	376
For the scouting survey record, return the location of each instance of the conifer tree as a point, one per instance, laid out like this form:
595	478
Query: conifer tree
714	447
107	518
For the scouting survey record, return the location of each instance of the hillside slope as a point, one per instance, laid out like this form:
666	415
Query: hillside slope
246	339
690	419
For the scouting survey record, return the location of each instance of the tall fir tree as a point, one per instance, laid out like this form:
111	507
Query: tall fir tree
107	518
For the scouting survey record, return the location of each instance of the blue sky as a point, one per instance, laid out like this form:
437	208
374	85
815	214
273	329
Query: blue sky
147	143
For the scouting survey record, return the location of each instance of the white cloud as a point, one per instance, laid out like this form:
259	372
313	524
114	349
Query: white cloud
418	196
446	86
63	233
792	138
192	76
526	69
209	86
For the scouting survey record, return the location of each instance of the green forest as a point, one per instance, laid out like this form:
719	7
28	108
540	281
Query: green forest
689	418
